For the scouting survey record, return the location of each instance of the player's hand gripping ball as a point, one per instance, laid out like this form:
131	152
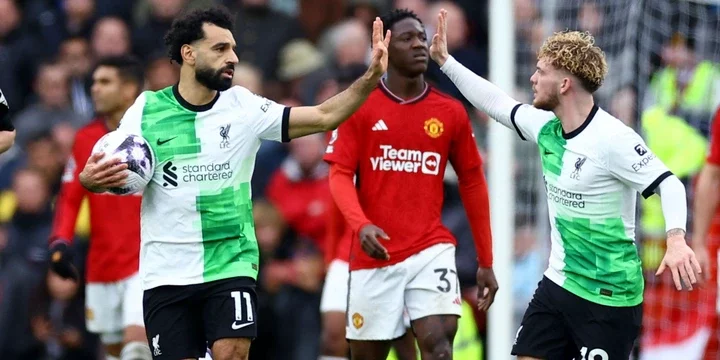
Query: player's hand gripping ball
132	150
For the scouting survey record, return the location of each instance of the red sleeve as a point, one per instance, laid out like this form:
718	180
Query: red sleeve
345	195
334	233
464	152
343	145
714	155
474	195
465	159
71	194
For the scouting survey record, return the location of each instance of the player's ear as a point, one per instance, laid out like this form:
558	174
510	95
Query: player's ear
565	85
188	54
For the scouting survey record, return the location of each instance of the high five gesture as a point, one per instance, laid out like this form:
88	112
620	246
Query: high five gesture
438	49
380	44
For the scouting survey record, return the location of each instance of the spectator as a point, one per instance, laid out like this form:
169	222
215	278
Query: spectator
57	319
30	226
260	33
75	56
18	278
111	37
53	105
161	73
18	49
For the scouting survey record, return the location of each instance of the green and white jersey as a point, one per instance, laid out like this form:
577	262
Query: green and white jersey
591	178
196	221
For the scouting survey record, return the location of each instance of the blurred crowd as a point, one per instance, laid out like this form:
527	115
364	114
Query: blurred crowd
296	52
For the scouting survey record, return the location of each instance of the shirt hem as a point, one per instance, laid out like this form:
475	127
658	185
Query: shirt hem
555	277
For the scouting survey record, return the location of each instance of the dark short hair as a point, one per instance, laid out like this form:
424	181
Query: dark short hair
129	68
397	15
188	28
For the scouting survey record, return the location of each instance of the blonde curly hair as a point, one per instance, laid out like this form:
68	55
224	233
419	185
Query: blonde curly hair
576	52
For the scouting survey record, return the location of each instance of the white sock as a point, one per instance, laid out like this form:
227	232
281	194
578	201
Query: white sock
323	357
110	357
136	350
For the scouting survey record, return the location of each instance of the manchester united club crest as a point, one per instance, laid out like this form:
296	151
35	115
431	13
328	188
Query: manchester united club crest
357	320
434	128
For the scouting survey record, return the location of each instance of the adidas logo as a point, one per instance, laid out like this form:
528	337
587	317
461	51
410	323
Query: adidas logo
380	126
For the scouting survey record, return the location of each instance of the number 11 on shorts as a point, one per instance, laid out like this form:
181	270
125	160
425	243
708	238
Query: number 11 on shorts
238	296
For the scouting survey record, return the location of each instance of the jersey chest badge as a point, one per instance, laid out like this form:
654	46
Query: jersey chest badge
575	175
225	136
433	127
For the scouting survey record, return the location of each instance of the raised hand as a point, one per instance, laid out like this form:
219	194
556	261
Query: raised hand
98	176
438	48
379	63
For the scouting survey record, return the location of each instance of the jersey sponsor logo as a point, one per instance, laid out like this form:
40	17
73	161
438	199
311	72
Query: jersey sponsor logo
434	128
406	160
225	134
637	166
578	167
564	197
640	150
165	141
195	173
380	126
169	175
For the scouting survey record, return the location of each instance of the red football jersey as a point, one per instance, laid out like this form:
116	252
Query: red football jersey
303	202
399	150
114	220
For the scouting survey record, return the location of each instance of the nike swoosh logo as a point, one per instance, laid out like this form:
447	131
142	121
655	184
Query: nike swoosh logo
160	142
236	326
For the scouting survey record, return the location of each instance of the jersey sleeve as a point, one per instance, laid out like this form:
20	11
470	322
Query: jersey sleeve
343	145
713	156
5	123
631	161
71	192
464	154
527	121
132	119
268	119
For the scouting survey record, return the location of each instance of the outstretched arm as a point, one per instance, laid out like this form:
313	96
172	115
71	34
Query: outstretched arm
330	114
483	94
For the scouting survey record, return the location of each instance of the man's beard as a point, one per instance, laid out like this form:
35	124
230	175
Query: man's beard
548	105
213	79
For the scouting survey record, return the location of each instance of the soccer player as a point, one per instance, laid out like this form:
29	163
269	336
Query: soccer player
333	304
589	303
706	229
199	254
7	130
398	145
113	294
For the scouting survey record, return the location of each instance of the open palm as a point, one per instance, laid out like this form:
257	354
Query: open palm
438	47
380	45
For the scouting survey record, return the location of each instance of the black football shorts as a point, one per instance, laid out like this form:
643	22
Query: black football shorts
183	321
559	325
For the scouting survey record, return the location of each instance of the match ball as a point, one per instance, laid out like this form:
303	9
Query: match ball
132	150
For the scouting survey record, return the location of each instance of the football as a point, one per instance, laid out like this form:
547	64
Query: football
132	150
